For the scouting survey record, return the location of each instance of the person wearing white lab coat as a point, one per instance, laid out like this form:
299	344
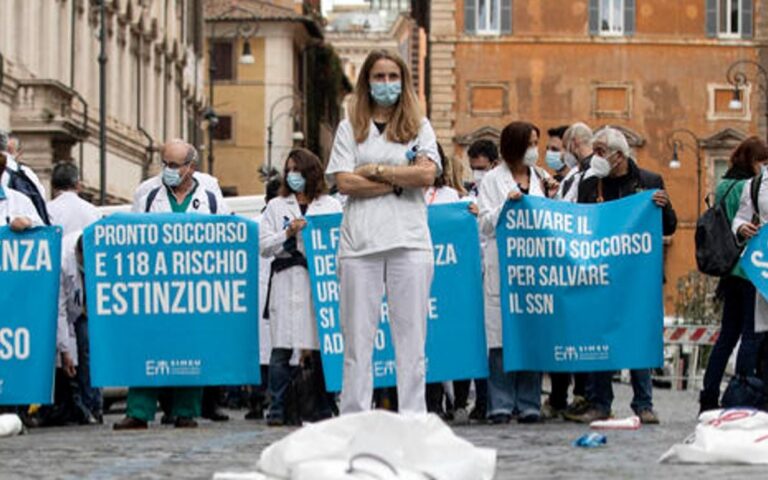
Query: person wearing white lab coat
179	192
16	209
382	158
289	298
10	147
509	393
67	209
207	182
744	227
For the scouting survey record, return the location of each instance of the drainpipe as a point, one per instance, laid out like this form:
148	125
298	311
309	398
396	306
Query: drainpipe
165	75
72	56
149	150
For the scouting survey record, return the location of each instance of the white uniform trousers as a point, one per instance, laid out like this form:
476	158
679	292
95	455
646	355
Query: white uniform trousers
407	276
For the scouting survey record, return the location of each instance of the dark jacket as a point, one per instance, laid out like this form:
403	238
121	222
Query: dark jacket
636	180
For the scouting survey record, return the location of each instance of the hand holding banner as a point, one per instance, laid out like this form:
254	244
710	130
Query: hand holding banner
581	285
30	264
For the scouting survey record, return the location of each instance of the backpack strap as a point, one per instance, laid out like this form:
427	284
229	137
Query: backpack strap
754	192
151	198
213	204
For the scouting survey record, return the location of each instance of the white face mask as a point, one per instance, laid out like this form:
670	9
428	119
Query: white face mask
570	159
478	175
531	156
599	167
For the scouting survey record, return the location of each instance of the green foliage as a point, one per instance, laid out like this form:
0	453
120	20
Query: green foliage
325	89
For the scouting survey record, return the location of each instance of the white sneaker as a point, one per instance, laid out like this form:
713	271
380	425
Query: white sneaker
461	417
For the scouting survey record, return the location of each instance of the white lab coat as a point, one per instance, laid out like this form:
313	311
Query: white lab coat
15	166
162	203
744	215
265	338
70	299
291	314
494	190
72	213
16	204
204	180
437	196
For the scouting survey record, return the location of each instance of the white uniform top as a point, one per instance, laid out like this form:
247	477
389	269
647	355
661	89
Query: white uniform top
572	194
70	298
162	202
493	195
386	222
203	179
744	215
291	314
14	165
265	341
436	196
72	212
16	204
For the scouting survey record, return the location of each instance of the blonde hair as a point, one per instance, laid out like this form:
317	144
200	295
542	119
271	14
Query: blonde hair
405	123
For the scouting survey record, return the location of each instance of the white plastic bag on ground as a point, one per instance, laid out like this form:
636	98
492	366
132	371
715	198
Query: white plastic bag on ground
725	436
377	445
10	425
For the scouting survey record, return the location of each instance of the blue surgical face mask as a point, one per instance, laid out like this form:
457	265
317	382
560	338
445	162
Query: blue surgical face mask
171	177
386	94
554	160
296	182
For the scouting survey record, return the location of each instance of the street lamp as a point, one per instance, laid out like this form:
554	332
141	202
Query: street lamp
738	79
677	144
272	121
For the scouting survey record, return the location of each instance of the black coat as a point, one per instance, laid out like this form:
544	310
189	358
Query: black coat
636	180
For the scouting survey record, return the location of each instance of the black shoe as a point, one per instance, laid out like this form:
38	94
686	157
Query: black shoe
167	419
185	422
500	419
529	418
216	416
130	423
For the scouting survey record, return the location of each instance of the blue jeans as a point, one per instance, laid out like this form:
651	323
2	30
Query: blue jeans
600	390
91	397
738	321
280	372
512	392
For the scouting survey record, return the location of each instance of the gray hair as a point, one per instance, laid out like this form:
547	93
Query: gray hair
192	156
65	176
614	140
580	132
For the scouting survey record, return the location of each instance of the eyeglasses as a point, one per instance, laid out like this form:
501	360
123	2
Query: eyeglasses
175	166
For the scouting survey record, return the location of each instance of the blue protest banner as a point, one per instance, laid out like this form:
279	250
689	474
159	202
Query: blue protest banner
30	264
581	285
172	300
456	347
754	261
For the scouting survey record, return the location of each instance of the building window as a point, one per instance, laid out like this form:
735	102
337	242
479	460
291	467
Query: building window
611	100
729	18
488	16
223	62
223	130
611	17
721	107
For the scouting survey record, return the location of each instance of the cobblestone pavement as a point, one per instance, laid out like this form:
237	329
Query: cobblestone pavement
539	451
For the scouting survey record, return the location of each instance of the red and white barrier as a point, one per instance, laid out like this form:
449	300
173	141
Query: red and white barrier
691	335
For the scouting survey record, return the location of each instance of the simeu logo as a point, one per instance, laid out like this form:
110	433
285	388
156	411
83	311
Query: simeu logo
157	367
566	353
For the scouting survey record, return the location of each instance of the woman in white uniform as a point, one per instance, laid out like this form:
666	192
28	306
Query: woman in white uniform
509	393
382	159
289	300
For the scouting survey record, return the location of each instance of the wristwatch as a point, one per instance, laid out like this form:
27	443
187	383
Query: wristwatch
380	170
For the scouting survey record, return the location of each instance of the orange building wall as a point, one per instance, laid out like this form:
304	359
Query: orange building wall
545	72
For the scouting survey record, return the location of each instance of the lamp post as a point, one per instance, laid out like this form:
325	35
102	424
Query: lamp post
678	144
103	104
738	79
272	121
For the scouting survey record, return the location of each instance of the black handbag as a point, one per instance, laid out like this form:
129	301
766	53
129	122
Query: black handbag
745	391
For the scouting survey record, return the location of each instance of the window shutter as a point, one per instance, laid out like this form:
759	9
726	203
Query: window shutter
629	17
506	17
711	7
594	17
746	18
470	16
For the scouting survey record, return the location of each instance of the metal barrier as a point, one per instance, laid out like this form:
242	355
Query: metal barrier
687	341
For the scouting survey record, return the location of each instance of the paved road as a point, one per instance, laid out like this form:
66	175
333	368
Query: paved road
539	451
